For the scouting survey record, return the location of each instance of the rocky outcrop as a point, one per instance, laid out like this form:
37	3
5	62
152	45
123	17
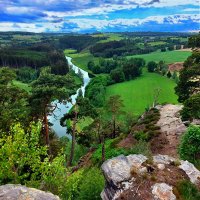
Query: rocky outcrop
170	121
171	128
135	177
19	192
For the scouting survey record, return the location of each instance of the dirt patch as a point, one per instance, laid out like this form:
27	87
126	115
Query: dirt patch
127	142
165	145
175	66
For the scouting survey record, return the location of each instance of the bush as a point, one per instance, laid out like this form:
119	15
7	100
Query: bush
92	185
140	148
188	191
189	148
84	184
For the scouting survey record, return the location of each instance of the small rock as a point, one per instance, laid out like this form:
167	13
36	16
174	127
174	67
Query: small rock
161	166
142	171
192	172
162	191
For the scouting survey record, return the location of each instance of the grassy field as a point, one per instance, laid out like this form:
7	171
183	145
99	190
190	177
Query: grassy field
23	86
156	43
81	59
112	37
138	94
168	56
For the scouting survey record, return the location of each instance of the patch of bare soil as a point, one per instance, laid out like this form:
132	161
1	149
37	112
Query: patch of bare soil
127	142
175	66
166	145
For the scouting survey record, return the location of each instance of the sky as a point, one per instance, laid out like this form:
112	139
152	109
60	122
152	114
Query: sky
87	16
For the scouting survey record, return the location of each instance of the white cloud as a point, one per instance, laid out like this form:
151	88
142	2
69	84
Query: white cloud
101	24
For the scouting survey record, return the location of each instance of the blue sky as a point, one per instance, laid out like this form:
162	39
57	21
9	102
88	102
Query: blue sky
99	15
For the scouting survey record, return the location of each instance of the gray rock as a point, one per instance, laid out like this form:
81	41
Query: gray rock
163	159
118	169
192	172
162	191
19	192
170	121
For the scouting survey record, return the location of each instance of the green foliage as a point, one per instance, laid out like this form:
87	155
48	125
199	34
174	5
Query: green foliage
24	161
189	77
151	66
191	109
92	185
112	151
117	75
79	151
95	91
190	145
13	100
20	155
84	184
26	74
188	191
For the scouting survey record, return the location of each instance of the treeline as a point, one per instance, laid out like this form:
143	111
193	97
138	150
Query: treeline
78	42
130	68
35	57
119	48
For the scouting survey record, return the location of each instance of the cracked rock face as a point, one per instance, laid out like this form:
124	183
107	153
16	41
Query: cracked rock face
19	192
135	177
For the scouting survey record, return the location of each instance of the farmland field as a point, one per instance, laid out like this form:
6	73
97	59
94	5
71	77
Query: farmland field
168	56
138	94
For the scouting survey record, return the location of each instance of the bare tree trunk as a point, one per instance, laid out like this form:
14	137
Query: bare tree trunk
46	128
73	138
103	149
98	132
114	127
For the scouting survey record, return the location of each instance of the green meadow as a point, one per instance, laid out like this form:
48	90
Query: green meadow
168	56
81	59
138	94
23	86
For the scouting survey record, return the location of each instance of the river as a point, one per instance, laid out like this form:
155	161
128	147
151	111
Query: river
62	108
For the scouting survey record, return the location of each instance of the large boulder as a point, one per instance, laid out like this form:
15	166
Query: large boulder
19	192
112	168
135	177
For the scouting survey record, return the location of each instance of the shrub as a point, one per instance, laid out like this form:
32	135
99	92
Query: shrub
189	148
84	184
140	148
92	185
188	191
